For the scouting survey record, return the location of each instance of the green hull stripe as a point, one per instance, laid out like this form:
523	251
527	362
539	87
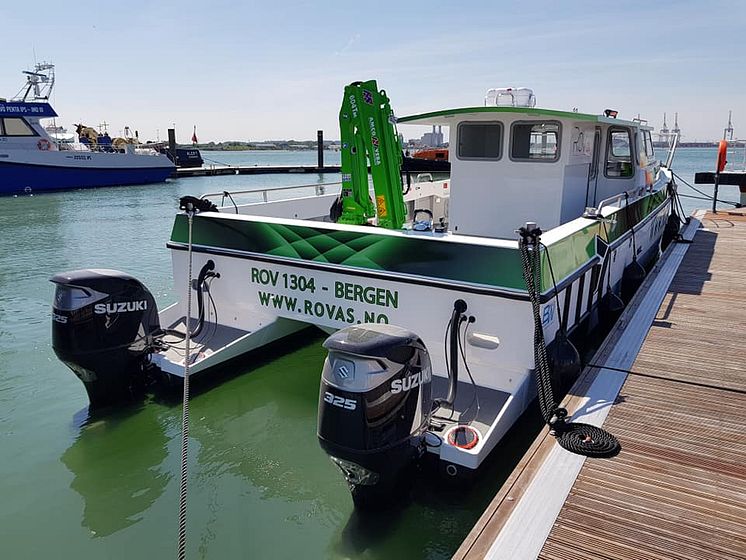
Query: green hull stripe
570	253
489	266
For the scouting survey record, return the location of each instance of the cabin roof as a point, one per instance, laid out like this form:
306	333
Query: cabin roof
445	117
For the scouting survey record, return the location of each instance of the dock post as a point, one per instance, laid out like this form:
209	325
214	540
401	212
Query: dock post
320	147
172	143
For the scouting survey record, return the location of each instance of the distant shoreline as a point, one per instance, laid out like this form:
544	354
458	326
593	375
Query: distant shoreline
290	146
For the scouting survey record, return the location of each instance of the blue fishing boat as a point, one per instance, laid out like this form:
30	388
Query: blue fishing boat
31	160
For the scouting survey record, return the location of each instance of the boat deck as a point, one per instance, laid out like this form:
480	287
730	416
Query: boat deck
678	487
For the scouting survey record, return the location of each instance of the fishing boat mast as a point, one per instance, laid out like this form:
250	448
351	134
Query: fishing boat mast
40	83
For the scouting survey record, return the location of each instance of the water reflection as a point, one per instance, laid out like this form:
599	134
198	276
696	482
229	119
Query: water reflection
433	520
118	466
261	425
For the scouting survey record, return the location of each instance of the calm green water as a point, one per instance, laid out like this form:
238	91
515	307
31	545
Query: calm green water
259	485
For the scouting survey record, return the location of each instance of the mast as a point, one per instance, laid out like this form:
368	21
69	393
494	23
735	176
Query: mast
39	83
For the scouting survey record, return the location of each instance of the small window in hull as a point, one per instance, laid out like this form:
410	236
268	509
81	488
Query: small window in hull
16	127
480	140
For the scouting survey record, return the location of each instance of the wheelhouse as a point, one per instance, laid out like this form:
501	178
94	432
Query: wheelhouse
510	165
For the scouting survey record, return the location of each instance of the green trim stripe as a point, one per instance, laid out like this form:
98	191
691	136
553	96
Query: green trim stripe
570	253
420	256
477	264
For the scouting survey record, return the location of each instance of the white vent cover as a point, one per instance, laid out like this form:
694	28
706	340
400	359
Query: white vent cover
510	97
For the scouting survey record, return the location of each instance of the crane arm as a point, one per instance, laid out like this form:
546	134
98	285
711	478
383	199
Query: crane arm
368	134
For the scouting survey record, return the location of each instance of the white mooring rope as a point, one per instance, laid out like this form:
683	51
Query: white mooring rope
185	405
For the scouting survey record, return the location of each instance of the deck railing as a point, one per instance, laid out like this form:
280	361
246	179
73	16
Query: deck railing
320	189
141	149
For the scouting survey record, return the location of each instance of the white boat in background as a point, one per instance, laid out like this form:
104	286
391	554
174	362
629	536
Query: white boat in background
60	135
34	159
399	271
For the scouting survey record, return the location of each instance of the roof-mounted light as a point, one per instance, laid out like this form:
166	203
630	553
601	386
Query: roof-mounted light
611	113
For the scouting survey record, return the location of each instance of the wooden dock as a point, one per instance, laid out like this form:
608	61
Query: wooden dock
673	390
217	170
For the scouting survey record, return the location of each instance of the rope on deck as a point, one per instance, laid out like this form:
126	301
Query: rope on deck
583	439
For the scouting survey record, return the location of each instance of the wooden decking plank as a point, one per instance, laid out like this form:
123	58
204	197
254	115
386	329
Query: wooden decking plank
678	489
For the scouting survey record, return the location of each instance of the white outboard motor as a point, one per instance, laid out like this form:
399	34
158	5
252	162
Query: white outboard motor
374	407
103	324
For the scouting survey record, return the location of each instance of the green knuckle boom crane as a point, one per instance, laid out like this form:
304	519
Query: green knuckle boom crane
368	134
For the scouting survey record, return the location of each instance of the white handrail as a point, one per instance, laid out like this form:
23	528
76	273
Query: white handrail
628	196
672	151
318	187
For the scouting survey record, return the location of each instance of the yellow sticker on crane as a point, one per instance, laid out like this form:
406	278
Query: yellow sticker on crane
381	206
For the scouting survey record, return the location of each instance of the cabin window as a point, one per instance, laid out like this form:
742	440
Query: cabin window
535	141
480	140
16	127
649	151
619	154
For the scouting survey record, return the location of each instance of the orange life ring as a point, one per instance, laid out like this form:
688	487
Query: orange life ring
43	144
463	437
722	156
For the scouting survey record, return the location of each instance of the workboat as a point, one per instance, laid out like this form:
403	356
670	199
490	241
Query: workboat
440	296
35	158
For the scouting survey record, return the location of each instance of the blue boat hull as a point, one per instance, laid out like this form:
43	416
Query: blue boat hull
19	178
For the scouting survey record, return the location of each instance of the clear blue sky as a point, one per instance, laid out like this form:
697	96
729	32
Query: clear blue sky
261	70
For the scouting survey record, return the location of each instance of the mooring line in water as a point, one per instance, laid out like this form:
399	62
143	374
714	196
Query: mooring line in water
185	404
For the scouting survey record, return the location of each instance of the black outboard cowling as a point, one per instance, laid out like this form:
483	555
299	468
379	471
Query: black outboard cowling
374	407
103	322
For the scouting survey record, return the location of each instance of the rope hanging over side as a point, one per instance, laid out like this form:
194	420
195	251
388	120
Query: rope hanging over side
630	224
677	206
583	439
185	405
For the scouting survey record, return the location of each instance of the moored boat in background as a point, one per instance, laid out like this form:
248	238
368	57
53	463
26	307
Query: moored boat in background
34	160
